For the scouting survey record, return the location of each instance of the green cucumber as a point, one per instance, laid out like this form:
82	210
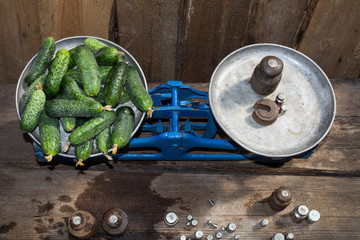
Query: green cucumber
100	96
73	108
91	128
123	127
56	72
33	110
124	97
108	56
72	90
89	70
38	83
103	70
115	84
68	123
137	92
50	136
103	142
83	152
75	74
71	60
94	45
41	61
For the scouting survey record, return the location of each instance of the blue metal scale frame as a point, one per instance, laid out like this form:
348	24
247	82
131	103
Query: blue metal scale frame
174	101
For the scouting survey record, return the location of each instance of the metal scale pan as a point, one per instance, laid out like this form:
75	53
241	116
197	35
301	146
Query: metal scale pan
69	43
310	101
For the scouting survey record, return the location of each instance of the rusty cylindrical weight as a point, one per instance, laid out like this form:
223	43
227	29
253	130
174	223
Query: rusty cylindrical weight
280	199
82	224
114	221
267	75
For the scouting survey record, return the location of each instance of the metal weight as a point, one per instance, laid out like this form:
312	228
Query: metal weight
82	224
114	221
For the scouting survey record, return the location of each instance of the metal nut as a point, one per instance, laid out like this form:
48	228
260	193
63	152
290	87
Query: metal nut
82	224
171	219
114	221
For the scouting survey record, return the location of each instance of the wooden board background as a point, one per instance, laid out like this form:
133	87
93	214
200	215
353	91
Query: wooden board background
185	39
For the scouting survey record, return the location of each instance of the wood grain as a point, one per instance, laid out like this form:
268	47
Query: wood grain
274	21
213	29
334	27
28	22
148	30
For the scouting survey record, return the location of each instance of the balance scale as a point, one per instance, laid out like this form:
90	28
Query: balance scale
180	112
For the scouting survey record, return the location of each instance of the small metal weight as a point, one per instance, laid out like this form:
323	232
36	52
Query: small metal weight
114	221
280	199
267	75
82	224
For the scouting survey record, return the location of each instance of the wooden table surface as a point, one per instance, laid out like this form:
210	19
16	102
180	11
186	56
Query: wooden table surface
35	200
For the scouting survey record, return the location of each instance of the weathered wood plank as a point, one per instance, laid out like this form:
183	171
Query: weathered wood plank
33	208
213	29
27	23
337	154
332	38
274	21
148	30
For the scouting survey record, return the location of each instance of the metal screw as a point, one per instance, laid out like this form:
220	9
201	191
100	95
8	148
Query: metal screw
214	225
218	235
264	222
301	211
171	219
289	236
189	218
237	237
182	237
313	216
212	203
209	237
231	227
278	236
223	228
188	224
194	223
280	99
198	234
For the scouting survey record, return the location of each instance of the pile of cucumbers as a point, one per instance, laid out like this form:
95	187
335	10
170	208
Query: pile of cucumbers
79	89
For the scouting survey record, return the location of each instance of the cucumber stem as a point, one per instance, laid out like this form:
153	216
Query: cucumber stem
107	156
149	112
66	146
49	158
79	163
120	53
39	86
114	150
107	108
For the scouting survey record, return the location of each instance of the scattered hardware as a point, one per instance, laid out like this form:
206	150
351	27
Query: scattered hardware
289	236
301	212
198	234
264	222
171	219
209	237
214	225
313	216
218	235
194	223
231	227
189	218
278	236
237	237
212	203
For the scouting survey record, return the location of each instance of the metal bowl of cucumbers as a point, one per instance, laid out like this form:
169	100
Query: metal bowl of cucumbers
80	82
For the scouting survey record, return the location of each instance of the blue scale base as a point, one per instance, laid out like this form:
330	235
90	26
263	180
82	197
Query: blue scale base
176	104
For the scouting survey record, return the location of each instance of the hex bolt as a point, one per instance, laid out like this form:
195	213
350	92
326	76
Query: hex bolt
114	221
313	216
189	218
231	227
182	237
237	237
171	219
82	224
278	236
289	236
194	223
210	237
214	225
280	199
280	99
301	212
198	234
212	203
218	235
264	222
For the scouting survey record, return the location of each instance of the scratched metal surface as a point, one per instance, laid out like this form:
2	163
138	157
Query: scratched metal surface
310	100
69	43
